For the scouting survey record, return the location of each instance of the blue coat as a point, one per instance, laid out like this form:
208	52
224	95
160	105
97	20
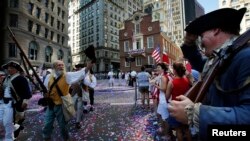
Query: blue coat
224	108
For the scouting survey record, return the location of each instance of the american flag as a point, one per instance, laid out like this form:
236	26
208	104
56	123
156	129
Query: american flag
156	54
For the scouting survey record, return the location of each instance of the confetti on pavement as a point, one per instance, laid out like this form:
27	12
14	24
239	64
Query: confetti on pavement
108	122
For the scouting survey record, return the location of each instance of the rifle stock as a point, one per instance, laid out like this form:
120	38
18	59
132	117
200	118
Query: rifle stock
199	90
194	90
44	89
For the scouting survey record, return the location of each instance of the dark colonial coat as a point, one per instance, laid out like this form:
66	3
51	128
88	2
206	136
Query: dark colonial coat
221	108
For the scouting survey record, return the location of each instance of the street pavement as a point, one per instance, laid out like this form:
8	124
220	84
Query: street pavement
115	118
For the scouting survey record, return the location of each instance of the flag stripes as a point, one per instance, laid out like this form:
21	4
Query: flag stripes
156	54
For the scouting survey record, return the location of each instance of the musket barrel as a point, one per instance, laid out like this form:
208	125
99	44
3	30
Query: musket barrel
44	89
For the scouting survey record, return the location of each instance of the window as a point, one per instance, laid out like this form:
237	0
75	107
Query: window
52	21
224	2
14	3
46	17
60	55
58	25
46	2
12	50
48	53
63	13
138	44
150	42
38	28
38	12
63	40
58	11
62	27
138	61
30	25
157	16
33	49
13	20
126	46
150	60
52	6
137	28
106	54
51	35
234	0
46	33
58	38
30	8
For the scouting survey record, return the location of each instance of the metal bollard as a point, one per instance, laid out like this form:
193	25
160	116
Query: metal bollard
135	93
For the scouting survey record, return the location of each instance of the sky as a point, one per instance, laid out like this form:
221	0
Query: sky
209	5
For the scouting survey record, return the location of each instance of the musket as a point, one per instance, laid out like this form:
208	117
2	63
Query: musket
44	89
27	72
198	92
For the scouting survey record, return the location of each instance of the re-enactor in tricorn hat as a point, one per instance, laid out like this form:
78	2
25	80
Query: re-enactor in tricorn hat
16	93
227	19
225	102
13	64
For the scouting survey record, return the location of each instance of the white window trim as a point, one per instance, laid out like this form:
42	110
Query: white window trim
136	60
126	49
152	42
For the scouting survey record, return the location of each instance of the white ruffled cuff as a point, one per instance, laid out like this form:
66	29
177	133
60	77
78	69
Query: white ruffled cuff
193	111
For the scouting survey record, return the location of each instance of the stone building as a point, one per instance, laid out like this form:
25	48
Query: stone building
40	27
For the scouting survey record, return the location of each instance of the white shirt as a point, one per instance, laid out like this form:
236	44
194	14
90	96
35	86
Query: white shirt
71	77
111	75
91	83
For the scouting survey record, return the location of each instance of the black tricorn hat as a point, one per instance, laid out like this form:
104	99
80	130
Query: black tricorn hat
90	53
79	66
13	64
227	19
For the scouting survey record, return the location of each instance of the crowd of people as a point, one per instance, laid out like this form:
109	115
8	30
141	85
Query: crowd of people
226	101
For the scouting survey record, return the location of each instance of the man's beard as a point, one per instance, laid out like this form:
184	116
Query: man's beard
59	72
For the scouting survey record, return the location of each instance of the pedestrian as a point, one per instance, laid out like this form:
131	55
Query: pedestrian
127	78
16	95
58	83
143	85
178	86
90	81
76	93
111	78
120	74
230	104
154	91
162	111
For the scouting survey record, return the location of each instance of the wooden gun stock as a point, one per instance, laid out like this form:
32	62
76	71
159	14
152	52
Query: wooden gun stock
194	90
199	90
44	89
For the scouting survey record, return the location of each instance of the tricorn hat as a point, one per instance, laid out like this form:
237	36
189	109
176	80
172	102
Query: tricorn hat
79	66
90	53
228	19
13	64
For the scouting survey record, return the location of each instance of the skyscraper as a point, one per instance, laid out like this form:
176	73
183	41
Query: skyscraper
97	22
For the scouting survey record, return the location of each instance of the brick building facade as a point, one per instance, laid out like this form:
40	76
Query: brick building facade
138	40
